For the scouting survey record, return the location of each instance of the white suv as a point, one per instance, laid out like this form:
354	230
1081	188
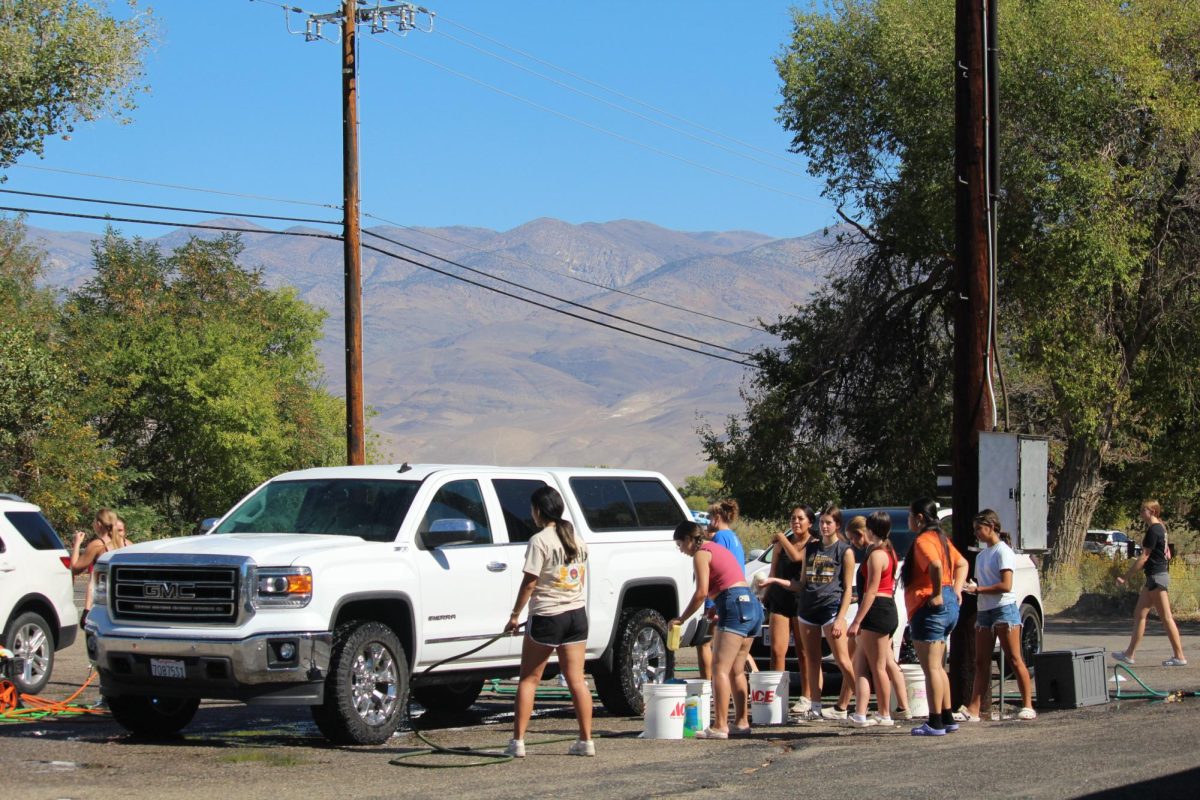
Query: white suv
37	596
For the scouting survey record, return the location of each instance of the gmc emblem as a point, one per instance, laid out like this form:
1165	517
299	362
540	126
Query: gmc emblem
170	591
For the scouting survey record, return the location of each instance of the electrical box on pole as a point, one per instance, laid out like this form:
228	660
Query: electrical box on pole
1013	471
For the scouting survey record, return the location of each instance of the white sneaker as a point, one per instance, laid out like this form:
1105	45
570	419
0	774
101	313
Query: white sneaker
516	748
883	722
861	721
1026	714
802	706
582	748
904	713
834	712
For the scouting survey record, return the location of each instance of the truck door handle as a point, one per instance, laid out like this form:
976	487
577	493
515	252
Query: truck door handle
497	566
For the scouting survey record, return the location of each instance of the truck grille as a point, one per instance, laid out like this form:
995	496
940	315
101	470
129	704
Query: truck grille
175	594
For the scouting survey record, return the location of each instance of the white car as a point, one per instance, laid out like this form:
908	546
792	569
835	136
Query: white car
1113	544
37	596
1026	585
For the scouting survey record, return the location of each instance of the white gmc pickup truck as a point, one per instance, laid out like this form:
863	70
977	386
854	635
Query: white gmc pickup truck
337	587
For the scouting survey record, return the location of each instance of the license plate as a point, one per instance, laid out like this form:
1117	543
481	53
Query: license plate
167	668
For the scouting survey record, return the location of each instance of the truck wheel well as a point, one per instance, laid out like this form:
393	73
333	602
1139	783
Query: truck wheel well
659	596
393	612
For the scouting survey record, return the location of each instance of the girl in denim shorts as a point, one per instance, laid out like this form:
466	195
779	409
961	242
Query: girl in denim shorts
998	616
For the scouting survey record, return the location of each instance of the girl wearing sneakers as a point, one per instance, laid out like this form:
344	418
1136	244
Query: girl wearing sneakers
1153	561
875	622
933	575
553	583
721	577
825	589
998	616
787	560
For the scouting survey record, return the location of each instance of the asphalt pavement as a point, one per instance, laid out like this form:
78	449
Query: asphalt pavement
1123	748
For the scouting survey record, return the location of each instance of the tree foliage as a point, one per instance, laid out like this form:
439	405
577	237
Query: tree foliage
167	386
1099	238
62	62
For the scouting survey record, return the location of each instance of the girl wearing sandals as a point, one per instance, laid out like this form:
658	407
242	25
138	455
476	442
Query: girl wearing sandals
721	577
875	621
824	601
998	616
553	583
1153	561
933	574
787	561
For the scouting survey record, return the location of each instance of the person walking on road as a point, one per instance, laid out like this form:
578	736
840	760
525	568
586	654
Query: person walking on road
1155	557
933	575
721	577
553	587
998	617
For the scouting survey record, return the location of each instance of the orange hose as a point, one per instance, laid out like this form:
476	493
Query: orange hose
40	705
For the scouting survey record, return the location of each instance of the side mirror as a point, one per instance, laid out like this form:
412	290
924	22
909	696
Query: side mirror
756	553
450	531
206	525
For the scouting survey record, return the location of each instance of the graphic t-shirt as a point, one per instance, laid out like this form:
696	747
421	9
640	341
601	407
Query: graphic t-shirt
559	582
989	565
823	574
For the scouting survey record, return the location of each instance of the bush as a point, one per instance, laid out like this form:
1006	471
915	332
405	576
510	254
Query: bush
757	534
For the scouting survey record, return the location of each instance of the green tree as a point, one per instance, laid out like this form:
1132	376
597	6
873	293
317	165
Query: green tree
64	61
700	491
206	380
1099	237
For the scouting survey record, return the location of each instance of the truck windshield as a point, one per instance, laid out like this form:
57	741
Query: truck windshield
370	509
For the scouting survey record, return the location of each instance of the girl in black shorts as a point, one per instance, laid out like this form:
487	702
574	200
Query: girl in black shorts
555	571
875	622
786	562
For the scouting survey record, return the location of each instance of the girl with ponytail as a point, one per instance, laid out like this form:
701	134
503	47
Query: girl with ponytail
553	583
933	573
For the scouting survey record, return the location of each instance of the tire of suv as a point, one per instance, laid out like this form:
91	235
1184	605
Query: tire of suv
639	657
449	696
29	638
152	717
366	691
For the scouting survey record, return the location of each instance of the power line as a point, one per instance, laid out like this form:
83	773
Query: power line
169	208
600	129
397	256
605	287
386	239
179	186
431	268
621	108
110	218
616	92
494	254
556	297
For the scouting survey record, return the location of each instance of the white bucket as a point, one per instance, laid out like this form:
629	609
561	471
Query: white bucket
768	698
663	718
914	682
702	688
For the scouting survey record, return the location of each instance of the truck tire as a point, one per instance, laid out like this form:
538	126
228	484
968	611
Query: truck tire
449	696
639	656
152	717
366	690
30	639
1031	635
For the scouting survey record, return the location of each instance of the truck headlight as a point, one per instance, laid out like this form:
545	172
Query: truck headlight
286	587
100	589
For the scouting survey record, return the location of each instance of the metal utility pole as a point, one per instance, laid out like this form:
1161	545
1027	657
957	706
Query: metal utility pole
382	18
973	404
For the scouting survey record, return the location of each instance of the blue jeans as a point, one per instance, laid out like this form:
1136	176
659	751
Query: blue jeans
934	623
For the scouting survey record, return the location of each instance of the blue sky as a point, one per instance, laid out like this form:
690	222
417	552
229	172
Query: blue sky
239	105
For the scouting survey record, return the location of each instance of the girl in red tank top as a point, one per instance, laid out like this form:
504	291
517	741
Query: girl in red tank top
875	622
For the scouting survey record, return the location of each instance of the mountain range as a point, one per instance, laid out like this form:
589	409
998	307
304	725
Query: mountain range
457	373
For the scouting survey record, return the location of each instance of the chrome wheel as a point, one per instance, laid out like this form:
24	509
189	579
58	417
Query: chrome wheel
649	657
32	644
375	683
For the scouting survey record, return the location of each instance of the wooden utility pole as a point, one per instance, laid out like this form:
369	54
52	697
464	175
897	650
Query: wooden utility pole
972	308
356	449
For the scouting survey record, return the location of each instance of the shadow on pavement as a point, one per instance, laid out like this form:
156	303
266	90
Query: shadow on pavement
1183	785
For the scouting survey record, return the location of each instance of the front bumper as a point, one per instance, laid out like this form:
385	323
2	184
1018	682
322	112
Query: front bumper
250	669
